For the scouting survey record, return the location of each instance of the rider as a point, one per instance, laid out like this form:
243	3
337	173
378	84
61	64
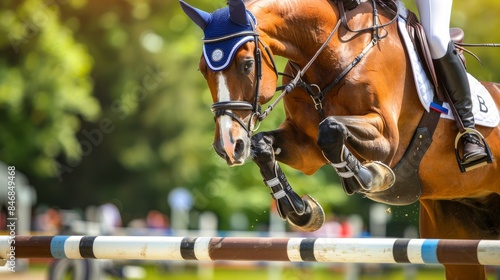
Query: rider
435	18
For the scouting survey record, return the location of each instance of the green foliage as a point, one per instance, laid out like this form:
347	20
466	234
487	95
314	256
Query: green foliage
479	20
45	88
103	101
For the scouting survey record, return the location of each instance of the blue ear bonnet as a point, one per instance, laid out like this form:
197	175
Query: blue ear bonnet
219	52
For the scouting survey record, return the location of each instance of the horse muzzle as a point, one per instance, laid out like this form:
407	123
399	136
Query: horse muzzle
232	138
235	152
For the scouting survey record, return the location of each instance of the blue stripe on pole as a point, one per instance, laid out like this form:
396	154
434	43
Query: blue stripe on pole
429	248
346	250
57	246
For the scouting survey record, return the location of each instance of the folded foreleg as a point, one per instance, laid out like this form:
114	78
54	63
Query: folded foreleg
370	176
304	212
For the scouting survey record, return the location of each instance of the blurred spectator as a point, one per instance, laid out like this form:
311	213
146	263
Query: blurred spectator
345	228
110	218
365	233
50	222
157	221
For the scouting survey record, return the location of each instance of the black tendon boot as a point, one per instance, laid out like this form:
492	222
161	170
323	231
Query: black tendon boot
454	77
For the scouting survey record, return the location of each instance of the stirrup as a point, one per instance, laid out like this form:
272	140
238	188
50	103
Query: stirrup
464	167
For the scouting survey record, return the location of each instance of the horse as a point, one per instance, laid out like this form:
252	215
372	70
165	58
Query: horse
351	102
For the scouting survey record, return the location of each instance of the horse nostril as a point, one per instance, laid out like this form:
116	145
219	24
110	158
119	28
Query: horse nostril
239	148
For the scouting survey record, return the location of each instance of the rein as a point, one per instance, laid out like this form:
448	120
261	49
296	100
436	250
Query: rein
298	77
319	96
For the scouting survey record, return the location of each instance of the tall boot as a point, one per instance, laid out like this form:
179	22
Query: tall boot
452	72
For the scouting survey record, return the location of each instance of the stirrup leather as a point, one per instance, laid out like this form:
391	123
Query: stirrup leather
464	167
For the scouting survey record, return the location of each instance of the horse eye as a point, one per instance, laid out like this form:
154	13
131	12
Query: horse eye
247	66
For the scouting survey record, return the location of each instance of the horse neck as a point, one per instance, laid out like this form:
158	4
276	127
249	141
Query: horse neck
294	30
297	31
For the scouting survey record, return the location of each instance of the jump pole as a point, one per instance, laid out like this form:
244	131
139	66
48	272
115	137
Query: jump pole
337	250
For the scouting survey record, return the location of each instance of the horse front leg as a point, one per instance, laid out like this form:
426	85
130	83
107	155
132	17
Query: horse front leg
302	212
363	134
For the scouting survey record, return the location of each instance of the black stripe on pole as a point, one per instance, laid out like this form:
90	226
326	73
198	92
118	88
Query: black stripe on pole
87	247
400	250
187	248
307	249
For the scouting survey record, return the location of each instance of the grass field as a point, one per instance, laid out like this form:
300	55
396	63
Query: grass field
179	271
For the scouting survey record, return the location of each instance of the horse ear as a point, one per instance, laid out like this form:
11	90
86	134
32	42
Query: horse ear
237	12
201	18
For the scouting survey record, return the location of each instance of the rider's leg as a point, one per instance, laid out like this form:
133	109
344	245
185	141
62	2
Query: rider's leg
435	18
452	71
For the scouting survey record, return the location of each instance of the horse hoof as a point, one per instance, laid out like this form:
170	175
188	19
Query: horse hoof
383	176
313	217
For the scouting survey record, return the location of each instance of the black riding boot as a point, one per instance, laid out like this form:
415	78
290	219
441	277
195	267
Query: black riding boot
454	77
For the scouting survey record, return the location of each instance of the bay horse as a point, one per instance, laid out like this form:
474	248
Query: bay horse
351	102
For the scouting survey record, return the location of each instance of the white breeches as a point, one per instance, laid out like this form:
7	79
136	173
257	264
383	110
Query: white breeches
435	18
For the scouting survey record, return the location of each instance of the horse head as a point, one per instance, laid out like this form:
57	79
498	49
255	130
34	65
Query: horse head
238	79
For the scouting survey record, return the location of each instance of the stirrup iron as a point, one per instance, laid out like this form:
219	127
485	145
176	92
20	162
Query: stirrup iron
464	167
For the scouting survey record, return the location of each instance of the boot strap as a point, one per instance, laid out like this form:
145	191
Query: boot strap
469	138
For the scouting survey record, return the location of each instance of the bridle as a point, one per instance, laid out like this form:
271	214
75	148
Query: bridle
226	107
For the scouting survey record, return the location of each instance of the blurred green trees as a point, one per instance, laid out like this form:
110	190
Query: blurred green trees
102	100
45	87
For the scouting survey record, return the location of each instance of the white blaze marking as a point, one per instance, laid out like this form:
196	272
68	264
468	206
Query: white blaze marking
225	122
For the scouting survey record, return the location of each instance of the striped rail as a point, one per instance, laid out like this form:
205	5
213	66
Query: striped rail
340	250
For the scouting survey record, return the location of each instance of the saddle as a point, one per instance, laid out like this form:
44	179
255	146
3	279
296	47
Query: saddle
419	40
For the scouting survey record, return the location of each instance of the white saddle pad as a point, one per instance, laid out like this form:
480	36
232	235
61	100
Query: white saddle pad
483	107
